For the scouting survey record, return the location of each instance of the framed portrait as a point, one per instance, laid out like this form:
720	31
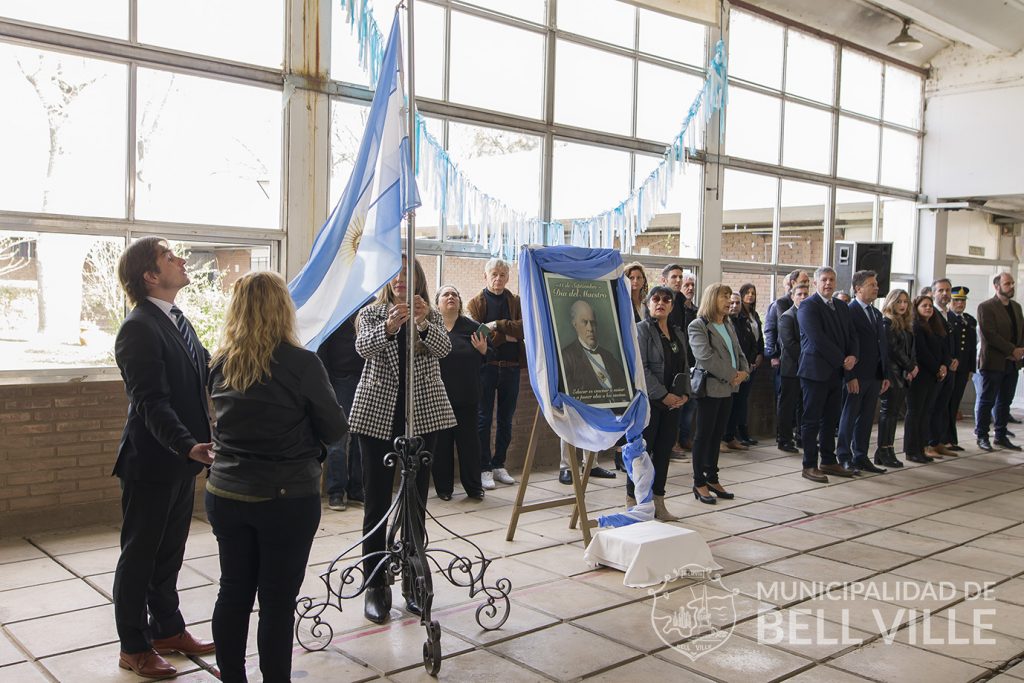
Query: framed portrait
588	341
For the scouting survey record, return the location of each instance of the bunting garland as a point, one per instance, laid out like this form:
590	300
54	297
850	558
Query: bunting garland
502	230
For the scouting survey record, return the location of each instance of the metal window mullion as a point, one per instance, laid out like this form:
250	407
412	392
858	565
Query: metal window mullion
547	158
131	162
445	95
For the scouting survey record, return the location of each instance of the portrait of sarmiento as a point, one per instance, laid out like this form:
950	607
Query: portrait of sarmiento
591	361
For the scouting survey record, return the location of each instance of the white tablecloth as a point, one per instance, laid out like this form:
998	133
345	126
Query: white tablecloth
649	552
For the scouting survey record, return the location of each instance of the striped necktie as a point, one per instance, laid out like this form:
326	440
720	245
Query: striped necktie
182	324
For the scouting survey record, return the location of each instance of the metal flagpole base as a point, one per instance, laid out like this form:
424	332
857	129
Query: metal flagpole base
408	555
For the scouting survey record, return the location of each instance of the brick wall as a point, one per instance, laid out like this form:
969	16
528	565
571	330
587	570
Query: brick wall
59	443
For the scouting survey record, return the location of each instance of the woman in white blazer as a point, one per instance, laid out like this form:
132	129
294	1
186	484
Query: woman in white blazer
378	413
717	354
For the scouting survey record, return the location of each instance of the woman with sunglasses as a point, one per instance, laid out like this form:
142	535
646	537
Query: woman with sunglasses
663	355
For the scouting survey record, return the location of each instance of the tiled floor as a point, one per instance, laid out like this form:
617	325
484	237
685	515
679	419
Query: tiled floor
917	545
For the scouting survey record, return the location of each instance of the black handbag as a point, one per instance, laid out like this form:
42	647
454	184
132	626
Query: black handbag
698	382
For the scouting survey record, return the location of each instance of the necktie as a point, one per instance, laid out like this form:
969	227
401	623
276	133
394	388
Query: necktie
182	324
831	304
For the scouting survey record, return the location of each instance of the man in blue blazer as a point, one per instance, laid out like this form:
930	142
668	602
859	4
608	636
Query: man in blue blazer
828	353
869	376
165	444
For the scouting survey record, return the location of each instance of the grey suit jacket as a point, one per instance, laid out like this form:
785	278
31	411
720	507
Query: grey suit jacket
652	354
712	354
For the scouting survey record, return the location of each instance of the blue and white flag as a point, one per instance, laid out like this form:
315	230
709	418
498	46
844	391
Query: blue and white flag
359	249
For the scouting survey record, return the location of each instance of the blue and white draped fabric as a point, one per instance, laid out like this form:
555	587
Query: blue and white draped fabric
359	248
582	425
501	229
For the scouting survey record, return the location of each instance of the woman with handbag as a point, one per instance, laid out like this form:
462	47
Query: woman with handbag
378	416
721	367
275	414
663	356
902	371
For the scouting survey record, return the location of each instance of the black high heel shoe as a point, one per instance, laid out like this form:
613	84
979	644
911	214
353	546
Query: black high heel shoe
724	495
707	500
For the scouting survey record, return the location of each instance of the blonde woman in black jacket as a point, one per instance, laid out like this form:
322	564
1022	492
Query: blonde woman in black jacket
275	414
378	413
903	369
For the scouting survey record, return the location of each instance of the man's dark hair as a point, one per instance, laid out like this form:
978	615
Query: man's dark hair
942	279
998	278
669	268
861	276
138	259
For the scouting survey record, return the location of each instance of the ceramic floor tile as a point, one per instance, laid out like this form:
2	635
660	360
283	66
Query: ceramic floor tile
768	512
26	672
64	632
864	555
395	646
1010	591
18	549
998	616
991	561
462	621
843	525
791	537
813	568
865	614
898	662
100	664
9	652
748	551
79	540
802	633
932	528
648	669
1002	543
567	558
825	674
472	666
50	598
768	586
568	599
940	634
327	665
739	660
905	543
971	520
577	653
91	562
935	570
31	573
631	625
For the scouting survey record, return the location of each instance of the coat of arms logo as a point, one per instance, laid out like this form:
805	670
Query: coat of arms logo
696	617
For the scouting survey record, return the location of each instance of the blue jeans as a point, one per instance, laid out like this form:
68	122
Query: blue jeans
505	383
994	389
345	473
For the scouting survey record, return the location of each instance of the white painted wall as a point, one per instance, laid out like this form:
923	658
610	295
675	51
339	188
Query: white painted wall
974	140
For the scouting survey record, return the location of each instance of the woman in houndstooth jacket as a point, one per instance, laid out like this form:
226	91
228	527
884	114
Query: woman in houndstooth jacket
378	412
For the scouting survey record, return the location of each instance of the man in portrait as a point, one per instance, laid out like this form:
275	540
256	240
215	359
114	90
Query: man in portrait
588	366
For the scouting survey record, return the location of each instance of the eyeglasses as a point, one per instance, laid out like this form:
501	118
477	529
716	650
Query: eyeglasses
661	299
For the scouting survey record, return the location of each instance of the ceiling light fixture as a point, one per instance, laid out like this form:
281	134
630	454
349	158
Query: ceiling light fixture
905	42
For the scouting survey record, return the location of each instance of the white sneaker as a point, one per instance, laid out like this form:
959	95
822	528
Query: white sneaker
502	475
487	480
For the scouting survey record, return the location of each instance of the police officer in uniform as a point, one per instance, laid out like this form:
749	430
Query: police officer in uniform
964	339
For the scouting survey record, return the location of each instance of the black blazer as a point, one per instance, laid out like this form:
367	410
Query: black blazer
964	346
771	325
168	412
752	343
902	353
873	361
931	350
787	343
826	338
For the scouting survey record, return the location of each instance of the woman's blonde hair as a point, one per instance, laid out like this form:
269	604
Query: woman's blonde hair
387	293
628	270
709	301
899	322
260	317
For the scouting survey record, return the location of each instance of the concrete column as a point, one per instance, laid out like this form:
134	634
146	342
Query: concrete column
931	246
306	127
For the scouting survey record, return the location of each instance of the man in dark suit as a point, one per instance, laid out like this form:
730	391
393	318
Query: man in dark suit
165	444
869	377
942	293
965	350
588	366
685	299
788	344
828	352
772	345
1001	331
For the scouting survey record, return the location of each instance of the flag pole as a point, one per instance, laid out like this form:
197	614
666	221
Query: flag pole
410	235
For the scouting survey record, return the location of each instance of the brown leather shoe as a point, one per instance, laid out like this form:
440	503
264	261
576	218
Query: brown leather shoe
835	469
147	664
934	452
735	445
185	643
814	474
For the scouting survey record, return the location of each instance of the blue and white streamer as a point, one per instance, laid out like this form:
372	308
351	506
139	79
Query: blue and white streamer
585	426
500	229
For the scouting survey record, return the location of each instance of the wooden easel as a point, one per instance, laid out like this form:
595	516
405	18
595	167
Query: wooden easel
579	486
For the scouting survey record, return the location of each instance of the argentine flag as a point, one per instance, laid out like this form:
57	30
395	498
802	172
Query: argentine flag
359	249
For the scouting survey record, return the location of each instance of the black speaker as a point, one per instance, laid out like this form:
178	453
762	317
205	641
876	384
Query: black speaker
849	257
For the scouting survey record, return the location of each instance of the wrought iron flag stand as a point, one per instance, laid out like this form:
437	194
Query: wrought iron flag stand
407	552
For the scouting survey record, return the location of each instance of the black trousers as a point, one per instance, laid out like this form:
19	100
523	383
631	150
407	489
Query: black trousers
790	408
712	414
378	487
959	387
920	405
462	436
995	390
156	517
264	548
660	436
736	424
857	419
893	403
939	421
822	407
